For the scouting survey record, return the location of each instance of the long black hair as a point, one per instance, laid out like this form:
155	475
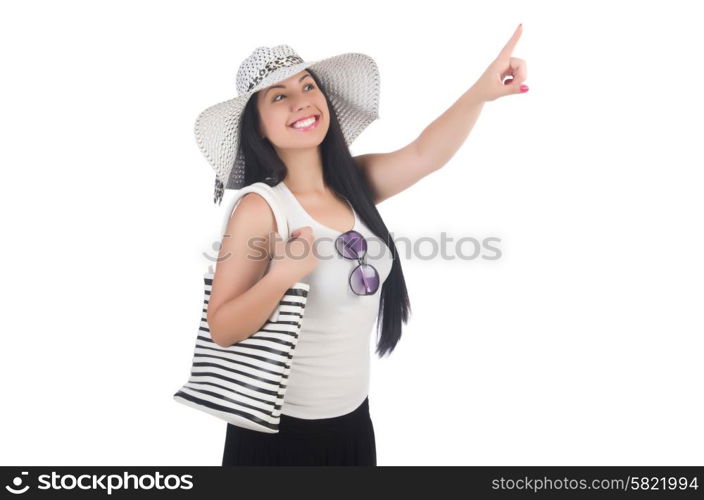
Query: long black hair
342	175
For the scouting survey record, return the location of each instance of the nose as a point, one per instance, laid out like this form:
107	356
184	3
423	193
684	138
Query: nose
299	103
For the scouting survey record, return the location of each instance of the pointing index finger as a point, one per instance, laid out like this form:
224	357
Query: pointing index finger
508	48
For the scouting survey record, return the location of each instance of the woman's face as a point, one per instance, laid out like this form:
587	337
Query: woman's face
288	101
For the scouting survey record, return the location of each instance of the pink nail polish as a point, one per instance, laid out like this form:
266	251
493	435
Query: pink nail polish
523	88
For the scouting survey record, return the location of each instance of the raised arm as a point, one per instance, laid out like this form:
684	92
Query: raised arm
390	173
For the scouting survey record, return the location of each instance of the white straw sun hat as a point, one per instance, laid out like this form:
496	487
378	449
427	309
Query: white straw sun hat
351	83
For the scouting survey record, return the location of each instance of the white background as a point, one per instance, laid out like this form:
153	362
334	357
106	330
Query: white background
582	345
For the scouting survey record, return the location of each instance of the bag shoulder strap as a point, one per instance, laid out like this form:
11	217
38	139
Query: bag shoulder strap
270	196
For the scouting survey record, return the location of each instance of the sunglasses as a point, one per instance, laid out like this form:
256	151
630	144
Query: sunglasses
364	279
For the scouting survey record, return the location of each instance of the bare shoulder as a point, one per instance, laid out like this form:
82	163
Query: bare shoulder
254	208
252	217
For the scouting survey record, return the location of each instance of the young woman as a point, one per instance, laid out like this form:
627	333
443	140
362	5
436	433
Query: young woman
291	127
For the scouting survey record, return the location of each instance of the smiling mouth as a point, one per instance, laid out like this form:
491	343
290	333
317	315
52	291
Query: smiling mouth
312	125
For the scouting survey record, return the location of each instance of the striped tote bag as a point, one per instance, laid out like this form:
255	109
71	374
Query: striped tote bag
245	383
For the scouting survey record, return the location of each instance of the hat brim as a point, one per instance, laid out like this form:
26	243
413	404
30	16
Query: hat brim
351	82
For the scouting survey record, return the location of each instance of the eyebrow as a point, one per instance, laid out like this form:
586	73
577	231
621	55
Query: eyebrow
282	87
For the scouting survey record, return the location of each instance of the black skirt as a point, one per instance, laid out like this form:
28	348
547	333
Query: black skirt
344	440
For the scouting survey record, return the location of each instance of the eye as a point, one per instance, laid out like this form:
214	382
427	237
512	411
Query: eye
282	95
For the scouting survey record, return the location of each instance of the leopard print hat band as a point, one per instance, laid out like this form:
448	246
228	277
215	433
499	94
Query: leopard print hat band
351	82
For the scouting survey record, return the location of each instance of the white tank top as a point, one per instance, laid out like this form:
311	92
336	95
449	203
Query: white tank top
330	370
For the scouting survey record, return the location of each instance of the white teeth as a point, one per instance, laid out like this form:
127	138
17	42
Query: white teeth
304	123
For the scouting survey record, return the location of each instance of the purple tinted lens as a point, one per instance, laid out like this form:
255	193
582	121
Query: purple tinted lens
364	280
351	245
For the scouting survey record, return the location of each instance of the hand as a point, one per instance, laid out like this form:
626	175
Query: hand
295	258
491	84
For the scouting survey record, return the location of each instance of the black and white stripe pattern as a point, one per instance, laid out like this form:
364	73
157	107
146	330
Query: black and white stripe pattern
245	383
